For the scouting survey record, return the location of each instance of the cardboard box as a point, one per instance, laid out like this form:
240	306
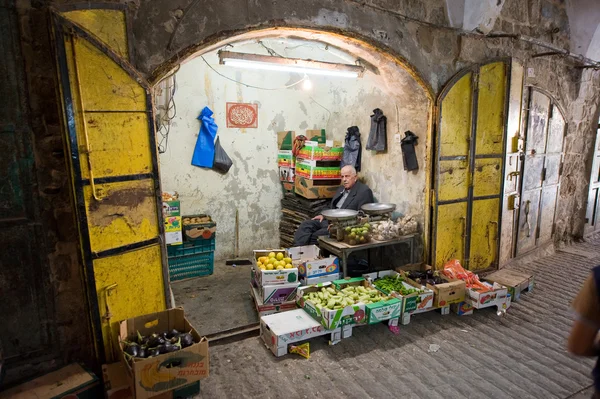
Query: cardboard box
496	296
376	312
462	308
173	233
307	260
71	381
331	319
412	303
516	282
117	385
281	329
271	277
171	208
316	135
320	279
168	371
452	291
311	170
265	309
285	140
314	189
277	293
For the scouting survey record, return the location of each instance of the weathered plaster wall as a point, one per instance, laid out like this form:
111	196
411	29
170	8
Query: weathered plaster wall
252	185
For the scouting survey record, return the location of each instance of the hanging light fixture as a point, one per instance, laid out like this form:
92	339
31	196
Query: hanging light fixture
272	63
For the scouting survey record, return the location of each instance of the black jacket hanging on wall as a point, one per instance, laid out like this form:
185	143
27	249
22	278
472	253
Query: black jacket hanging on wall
352	148
378	135
409	155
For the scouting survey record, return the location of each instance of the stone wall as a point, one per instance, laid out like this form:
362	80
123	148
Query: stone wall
166	32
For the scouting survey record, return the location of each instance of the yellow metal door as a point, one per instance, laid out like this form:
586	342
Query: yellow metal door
469	167
114	169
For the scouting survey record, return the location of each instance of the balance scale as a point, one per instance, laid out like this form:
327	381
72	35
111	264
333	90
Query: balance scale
339	219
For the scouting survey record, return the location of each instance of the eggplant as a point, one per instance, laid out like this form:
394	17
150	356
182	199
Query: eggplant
142	352
172	334
152	352
168	348
186	340
174	340
156	340
132	349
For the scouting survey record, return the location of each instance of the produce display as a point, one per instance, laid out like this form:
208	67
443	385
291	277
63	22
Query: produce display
196	219
141	347
388	229
330	299
426	277
355	235
395	284
274	261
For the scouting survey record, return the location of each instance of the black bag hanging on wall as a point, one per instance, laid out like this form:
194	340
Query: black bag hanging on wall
352	148
409	155
378	135
222	162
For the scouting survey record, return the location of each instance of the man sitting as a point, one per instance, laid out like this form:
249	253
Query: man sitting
351	195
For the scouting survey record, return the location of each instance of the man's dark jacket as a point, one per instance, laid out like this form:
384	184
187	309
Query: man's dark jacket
359	195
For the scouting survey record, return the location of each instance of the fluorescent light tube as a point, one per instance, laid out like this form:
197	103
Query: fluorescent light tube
272	63
289	68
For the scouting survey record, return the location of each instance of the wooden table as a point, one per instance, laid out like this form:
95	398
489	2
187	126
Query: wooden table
343	250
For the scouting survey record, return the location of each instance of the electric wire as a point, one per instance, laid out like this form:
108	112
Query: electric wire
251	86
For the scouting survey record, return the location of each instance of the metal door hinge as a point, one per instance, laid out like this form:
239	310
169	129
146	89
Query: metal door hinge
543	174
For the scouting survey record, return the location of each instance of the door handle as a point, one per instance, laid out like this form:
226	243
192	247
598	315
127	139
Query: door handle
527	218
464	236
496	238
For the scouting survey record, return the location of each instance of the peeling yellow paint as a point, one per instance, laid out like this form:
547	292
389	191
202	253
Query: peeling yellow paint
111	111
107	25
139	290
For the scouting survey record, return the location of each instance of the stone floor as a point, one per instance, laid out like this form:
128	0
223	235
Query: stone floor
521	355
218	302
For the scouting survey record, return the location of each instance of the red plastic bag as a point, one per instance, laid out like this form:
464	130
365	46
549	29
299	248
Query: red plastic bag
454	270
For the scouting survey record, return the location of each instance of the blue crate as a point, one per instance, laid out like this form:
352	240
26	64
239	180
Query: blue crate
191	248
188	266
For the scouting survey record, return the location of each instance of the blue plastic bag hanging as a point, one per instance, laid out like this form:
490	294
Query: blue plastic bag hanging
204	152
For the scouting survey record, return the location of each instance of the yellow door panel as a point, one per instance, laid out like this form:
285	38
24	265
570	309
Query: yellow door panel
484	234
469	167
108	25
104	84
129	271
453	180
450	228
456	118
127	214
490	109
487	177
106	113
119	142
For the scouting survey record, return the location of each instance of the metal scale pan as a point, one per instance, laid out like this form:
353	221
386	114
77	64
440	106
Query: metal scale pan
378	208
339	215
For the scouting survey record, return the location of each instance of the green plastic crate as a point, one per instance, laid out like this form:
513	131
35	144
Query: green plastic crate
188	266
191	247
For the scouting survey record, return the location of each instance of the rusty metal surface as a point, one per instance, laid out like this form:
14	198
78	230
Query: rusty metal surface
541	171
480	356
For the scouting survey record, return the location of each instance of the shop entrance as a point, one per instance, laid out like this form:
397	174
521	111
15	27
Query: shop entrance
114	152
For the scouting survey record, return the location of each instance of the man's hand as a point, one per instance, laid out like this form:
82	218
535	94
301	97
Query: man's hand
318	217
